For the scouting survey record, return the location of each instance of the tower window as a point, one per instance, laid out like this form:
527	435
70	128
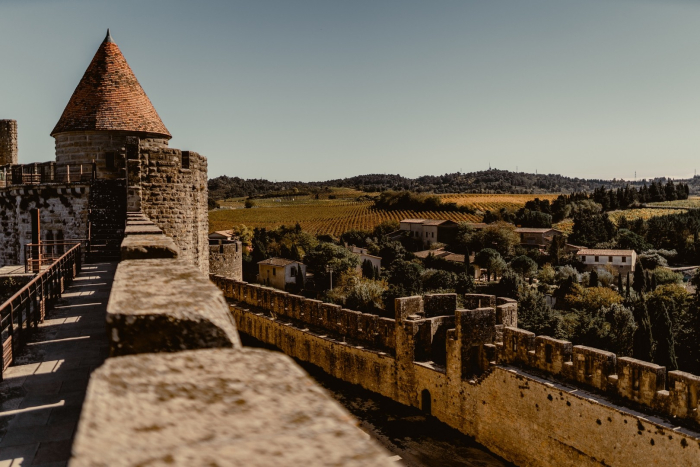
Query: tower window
185	159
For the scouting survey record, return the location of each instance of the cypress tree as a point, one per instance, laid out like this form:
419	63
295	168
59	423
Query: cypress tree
619	283
639	279
643	342
593	279
665	343
653	281
628	285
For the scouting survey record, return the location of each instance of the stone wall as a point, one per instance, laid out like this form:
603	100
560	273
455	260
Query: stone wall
63	215
226	259
8	142
170	187
572	418
183	391
82	147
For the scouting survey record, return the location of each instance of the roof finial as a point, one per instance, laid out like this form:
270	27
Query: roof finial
108	38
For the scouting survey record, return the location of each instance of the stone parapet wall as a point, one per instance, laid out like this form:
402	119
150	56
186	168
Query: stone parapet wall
170	187
672	393
226	259
63	215
82	147
185	392
522	417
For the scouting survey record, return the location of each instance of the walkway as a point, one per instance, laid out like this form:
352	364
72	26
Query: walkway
42	394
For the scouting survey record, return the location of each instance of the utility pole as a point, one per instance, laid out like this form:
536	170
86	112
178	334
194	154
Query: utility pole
329	269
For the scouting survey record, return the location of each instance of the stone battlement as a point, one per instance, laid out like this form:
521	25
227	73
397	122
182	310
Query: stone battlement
532	400
179	389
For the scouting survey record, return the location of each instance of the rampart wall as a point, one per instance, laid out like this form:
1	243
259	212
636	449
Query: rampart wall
63	215
533	400
179	389
226	259
170	187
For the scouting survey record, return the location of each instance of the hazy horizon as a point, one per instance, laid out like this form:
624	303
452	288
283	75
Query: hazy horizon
314	90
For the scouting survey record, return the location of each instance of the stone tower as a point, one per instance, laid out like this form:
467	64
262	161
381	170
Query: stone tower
8	142
107	108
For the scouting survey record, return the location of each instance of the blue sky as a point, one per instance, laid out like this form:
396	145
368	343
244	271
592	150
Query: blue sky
313	90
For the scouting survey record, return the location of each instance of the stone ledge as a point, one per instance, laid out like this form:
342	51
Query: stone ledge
148	247
166	305
215	407
142	229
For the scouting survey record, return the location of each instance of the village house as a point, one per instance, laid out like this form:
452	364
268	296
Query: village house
430	230
280	272
537	237
376	261
622	261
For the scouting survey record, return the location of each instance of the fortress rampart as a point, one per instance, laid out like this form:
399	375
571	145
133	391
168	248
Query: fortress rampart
533	400
179	389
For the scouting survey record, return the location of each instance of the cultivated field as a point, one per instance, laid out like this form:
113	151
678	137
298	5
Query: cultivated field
493	203
345	212
643	213
321	216
691	203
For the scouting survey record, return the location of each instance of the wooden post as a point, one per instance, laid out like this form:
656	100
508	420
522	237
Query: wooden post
36	240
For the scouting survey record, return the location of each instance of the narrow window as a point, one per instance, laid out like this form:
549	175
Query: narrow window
109	160
548	353
185	159
294	271
515	345
624	259
609	259
274	271
583	258
596	259
426	401
635	379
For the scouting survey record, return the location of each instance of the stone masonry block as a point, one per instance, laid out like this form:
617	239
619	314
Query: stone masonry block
215	407
148	247
443	304
166	305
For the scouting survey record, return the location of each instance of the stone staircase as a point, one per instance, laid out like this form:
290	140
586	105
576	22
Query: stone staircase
107	217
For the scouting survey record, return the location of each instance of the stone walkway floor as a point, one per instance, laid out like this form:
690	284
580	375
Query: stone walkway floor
42	393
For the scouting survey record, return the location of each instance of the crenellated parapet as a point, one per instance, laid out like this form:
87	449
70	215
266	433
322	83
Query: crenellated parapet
672	393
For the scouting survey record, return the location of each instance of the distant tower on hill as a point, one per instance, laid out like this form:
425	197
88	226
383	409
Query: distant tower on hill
106	108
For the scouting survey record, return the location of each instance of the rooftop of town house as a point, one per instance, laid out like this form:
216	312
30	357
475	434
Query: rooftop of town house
440	253
412	221
600	252
536	230
280	262
109	97
221	234
362	251
428	221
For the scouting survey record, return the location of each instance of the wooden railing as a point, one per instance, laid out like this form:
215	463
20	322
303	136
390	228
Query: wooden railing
26	309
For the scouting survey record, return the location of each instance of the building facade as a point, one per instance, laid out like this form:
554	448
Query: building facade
280	273
622	261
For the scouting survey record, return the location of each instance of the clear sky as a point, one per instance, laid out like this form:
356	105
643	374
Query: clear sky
313	90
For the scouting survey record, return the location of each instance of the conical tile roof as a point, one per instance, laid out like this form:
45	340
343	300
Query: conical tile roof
109	97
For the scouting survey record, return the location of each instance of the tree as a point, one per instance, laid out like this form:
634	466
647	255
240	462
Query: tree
328	254
643	342
546	274
592	299
640	283
490	260
406	274
524	265
621	329
367	269
665	343
619	283
464	283
249	203
511	284
436	279
536	316
501	237
593	279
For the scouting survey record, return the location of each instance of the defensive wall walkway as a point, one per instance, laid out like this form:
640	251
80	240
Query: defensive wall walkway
41	396
140	363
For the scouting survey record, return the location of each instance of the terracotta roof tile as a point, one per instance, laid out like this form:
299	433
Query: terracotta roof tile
109	97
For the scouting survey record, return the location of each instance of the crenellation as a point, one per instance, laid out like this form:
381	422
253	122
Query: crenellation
552	354
593	367
640	381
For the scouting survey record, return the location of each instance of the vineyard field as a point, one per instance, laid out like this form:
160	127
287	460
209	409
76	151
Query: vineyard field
691	203
322	216
493	203
642	213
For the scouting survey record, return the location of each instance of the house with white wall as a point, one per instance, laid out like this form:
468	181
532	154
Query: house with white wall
363	255
621	261
279	272
430	230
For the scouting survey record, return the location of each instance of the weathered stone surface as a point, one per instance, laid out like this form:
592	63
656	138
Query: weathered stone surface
215	407
166	305
148	246
142	229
